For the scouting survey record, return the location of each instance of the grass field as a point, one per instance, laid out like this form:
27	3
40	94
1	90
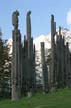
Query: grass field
58	99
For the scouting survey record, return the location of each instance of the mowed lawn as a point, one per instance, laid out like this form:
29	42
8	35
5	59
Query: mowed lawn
58	99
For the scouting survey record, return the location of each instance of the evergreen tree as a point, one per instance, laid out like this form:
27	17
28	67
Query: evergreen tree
4	69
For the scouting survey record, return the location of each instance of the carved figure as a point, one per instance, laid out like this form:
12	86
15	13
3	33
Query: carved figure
15	19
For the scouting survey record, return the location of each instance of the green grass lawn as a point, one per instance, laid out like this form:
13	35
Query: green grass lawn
58	99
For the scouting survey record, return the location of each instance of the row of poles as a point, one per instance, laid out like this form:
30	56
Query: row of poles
23	75
61	59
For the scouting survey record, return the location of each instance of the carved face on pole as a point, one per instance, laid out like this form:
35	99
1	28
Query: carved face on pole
15	19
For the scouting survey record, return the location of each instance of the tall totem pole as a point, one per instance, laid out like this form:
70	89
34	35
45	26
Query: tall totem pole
16	58
30	72
53	32
44	69
68	66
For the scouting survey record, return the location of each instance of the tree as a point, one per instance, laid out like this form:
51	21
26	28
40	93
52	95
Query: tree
4	69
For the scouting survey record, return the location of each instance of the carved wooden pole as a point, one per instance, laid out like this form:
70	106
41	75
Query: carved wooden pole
68	68
53	32
62	62
59	30
25	66
58	59
34	72
64	51
44	69
32	66
16	59
30	54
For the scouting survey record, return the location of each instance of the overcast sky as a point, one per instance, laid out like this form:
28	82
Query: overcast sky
40	16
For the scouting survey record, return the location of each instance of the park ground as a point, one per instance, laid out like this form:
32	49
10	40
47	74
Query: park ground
58	99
